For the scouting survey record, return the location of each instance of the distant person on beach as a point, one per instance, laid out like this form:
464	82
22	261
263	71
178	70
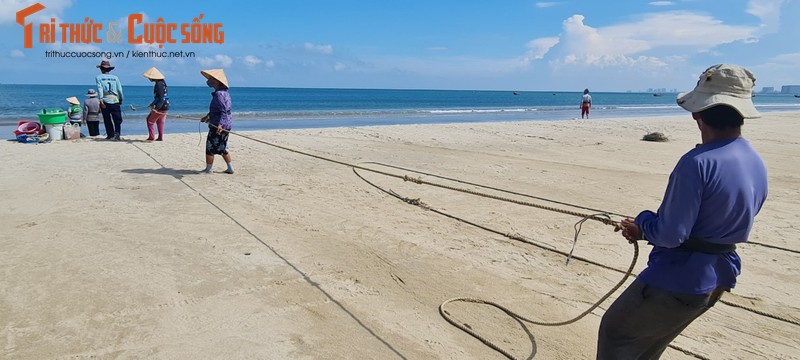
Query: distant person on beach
586	103
110	90
712	198
219	119
159	106
74	112
91	111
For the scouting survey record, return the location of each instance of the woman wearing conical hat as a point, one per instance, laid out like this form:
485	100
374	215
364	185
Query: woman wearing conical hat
74	112
219	119
159	106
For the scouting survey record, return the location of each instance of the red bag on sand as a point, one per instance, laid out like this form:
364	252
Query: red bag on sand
28	128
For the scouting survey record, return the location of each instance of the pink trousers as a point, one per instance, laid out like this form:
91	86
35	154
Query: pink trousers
156	118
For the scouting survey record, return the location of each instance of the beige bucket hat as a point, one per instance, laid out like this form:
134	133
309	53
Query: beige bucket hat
216	74
73	100
722	84
153	74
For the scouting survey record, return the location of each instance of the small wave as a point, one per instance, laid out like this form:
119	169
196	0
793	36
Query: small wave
646	107
477	111
777	105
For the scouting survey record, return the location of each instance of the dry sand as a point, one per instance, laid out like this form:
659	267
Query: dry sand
119	250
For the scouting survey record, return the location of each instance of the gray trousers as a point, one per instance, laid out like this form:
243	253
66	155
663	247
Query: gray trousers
644	320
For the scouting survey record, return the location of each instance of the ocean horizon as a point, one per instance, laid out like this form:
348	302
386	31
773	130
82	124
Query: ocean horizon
265	108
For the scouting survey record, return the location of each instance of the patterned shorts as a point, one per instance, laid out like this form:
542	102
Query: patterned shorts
217	144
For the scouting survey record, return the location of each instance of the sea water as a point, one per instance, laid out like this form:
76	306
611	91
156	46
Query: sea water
293	108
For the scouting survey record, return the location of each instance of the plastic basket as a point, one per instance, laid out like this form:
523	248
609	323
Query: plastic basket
52	116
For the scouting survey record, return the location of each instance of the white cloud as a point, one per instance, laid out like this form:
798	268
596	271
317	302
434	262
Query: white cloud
17	54
270	65
628	43
81	47
679	28
224	60
9	8
73	47
145	47
768	11
322	49
543	5
537	48
150	47
339	66
251	61
217	60
662	3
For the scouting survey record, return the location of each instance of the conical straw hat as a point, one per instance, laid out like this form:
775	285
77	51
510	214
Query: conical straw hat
73	100
217	74
153	74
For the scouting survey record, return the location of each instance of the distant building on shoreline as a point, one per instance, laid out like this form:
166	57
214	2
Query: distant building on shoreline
790	89
661	90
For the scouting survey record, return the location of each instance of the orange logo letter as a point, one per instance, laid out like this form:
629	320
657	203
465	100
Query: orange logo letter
21	15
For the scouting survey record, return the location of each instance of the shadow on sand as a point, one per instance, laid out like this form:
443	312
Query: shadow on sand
178	174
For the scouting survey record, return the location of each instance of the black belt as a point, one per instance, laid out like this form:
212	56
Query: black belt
700	245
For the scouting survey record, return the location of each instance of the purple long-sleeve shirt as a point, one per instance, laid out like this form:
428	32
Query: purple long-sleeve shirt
714	193
219	110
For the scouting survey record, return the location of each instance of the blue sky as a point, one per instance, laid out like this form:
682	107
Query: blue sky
433	44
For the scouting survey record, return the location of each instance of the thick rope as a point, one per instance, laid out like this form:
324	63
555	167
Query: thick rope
600	218
723	301
520	319
417	180
495	188
548	200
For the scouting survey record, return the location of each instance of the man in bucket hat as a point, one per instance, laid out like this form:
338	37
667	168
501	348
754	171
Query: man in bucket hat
712	197
109	90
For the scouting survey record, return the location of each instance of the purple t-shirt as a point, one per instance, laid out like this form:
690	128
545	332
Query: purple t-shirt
714	194
220	109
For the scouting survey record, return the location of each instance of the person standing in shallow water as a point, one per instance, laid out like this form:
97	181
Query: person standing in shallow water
586	104
712	198
109	90
159	106
219	120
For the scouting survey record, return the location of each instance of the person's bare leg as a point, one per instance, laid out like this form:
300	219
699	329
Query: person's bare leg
209	164
228	161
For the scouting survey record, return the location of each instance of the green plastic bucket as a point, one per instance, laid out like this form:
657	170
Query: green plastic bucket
52	116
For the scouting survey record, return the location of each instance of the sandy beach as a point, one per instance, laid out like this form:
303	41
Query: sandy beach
120	250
